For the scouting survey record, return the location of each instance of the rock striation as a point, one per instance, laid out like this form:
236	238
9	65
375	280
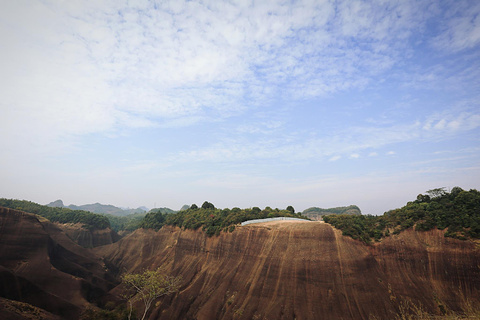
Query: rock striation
302	270
276	270
89	238
43	267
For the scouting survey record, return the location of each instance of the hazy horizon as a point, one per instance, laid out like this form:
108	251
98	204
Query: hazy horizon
240	103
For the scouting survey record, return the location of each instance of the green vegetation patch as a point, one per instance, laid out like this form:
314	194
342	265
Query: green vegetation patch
89	220
130	222
211	219
457	211
315	212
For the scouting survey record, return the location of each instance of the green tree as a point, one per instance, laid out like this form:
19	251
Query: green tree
423	198
437	192
148	286
455	191
291	209
207	205
153	220
212	220
458	212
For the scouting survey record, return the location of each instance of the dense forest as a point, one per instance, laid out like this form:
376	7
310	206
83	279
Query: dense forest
457	211
130	222
211	219
62	215
134	221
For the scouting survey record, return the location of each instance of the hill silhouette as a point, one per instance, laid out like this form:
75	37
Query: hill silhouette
316	213
99	208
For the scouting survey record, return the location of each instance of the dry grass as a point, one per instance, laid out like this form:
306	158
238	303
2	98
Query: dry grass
411	311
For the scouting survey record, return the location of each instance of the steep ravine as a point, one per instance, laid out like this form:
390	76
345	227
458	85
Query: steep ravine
41	266
301	270
89	238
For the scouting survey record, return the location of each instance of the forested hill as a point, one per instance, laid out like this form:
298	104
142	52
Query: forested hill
99	208
55	214
457	211
316	213
133	221
211	219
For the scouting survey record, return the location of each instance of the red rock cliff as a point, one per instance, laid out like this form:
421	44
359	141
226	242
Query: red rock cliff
89	238
40	265
306	270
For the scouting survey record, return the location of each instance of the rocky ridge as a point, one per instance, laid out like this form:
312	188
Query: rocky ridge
302	270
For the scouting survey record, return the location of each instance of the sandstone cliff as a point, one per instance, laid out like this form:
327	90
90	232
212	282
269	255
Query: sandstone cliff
301	270
278	270
40	265
89	238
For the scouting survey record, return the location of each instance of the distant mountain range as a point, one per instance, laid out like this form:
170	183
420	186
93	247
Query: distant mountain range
316	213
99	208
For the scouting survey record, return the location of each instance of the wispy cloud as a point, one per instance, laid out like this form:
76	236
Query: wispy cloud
462	28
81	68
350	143
450	123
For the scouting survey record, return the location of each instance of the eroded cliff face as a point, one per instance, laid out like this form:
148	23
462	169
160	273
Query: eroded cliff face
89	238
301	270
40	265
278	270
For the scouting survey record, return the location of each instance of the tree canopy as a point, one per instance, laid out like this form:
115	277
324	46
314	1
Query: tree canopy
149	285
457	211
213	220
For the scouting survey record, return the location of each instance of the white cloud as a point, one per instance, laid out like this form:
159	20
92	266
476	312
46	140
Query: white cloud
462	28
334	145
76	68
453	121
261	127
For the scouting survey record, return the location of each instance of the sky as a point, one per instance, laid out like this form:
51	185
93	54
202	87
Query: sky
239	103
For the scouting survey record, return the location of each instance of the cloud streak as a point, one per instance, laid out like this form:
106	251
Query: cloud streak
98	67
349	143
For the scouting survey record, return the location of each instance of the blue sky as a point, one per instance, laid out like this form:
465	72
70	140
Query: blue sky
241	103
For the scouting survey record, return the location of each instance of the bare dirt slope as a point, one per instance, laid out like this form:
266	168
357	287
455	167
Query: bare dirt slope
14	310
301	270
